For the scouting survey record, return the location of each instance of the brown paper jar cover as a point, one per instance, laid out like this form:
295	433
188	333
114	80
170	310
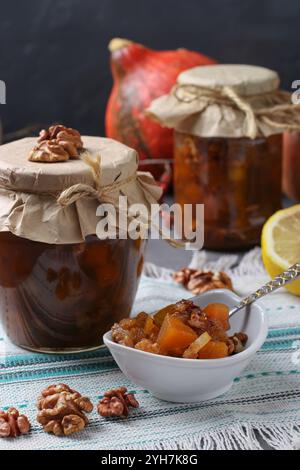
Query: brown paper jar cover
227	101
29	190
61	287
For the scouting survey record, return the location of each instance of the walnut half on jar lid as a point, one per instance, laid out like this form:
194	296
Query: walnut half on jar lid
227	101
56	202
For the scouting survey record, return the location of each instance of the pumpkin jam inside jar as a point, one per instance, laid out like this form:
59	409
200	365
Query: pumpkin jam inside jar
66	273
65	297
237	180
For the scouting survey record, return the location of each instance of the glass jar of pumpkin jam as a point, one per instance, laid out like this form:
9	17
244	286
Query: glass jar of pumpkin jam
68	272
237	179
228	121
63	298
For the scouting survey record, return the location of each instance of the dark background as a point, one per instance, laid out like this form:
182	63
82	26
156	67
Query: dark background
54	58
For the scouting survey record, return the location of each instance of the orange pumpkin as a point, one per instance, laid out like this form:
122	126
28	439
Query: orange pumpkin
140	75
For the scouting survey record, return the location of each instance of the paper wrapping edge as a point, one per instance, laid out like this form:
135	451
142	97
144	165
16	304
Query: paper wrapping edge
214	120
38	217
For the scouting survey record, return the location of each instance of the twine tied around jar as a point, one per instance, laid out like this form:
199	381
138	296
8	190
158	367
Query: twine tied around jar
287	114
78	191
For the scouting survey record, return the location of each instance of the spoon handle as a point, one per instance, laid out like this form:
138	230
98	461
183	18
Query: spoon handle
279	281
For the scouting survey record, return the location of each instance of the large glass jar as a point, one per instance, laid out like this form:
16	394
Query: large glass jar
68	271
228	120
65	297
237	179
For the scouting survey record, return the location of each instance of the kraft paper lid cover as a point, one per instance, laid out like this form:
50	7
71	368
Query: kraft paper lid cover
246	80
29	191
227	101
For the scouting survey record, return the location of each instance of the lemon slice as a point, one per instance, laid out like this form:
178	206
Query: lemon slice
281	243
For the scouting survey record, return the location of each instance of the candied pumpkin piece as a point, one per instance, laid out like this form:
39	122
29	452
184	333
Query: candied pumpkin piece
192	351
121	336
148	346
141	319
213	350
175	336
218	312
162	313
151	330
181	309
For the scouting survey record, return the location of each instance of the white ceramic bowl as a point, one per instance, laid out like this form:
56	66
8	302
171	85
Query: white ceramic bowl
194	380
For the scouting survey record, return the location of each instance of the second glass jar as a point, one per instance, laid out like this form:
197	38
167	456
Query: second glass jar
237	179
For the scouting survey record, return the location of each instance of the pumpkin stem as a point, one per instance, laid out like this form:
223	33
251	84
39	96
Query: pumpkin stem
118	43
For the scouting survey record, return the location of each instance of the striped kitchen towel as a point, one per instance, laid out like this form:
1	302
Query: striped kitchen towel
262	410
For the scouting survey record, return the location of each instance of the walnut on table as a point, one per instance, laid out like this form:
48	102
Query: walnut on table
116	403
62	410
12	424
198	281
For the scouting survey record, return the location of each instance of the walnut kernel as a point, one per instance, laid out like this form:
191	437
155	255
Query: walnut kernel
57	144
116	403
62	410
12	424
198	281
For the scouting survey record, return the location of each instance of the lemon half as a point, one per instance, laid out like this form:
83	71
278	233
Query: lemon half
281	243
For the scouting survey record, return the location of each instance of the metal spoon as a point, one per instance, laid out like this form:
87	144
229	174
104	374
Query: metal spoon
279	281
